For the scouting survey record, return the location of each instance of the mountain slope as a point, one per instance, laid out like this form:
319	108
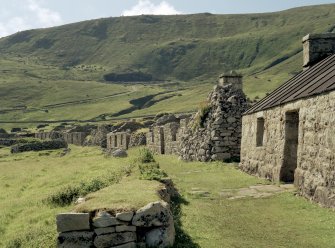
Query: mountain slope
191	50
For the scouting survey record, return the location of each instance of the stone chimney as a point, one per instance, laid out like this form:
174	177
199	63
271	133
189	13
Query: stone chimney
232	78
317	47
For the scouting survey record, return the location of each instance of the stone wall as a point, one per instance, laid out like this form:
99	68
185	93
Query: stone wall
214	133
118	140
75	138
138	139
150	226
171	138
155	140
315	161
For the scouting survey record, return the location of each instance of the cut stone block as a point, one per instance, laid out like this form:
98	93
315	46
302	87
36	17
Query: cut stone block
126	216
72	222
75	240
104	230
126	229
104	219
114	239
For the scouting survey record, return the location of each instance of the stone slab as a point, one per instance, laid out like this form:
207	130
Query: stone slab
114	239
72	222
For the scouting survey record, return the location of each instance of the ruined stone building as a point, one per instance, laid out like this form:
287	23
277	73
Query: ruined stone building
289	135
214	133
75	138
164	139
118	140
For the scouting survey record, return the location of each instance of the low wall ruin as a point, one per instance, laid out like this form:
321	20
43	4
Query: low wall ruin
75	138
171	138
118	140
150	226
155	140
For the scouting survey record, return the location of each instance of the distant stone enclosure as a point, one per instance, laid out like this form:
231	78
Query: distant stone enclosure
118	140
75	138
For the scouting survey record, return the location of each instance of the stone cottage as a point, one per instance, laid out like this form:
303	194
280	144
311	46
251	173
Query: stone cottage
289	135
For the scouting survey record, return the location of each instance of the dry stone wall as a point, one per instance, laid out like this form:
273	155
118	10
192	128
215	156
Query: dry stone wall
150	226
315	172
118	140
155	140
214	133
76	138
138	139
171	138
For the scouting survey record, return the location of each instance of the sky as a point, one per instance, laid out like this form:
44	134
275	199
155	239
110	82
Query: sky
19	15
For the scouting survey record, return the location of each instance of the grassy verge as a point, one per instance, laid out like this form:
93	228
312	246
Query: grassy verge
205	219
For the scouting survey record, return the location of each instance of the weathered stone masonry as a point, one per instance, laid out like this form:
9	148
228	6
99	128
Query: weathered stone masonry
150	226
294	141
118	140
315	172
218	135
76	138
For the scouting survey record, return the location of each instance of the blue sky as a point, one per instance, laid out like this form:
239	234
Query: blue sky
18	15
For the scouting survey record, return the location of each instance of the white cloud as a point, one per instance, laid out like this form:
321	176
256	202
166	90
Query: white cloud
30	14
146	7
13	25
46	17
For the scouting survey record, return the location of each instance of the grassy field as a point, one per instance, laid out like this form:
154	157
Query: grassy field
44	76
204	220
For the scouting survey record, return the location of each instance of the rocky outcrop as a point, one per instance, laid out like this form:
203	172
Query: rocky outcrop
214	132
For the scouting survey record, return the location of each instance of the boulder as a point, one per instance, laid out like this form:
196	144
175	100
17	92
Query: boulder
75	240
119	153
72	222
154	214
114	239
161	237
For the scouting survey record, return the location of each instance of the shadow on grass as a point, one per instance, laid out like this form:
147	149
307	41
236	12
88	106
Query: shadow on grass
182	238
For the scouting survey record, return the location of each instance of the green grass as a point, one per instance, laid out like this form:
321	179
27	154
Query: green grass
27	179
43	67
130	195
282	220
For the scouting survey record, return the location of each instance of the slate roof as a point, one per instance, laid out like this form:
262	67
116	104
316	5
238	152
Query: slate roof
315	80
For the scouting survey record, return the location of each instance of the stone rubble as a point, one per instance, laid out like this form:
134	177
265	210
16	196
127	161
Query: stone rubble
215	134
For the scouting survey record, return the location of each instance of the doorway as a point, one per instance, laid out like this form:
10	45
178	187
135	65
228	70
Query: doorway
290	147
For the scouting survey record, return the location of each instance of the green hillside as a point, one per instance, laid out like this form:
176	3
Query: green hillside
58	73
